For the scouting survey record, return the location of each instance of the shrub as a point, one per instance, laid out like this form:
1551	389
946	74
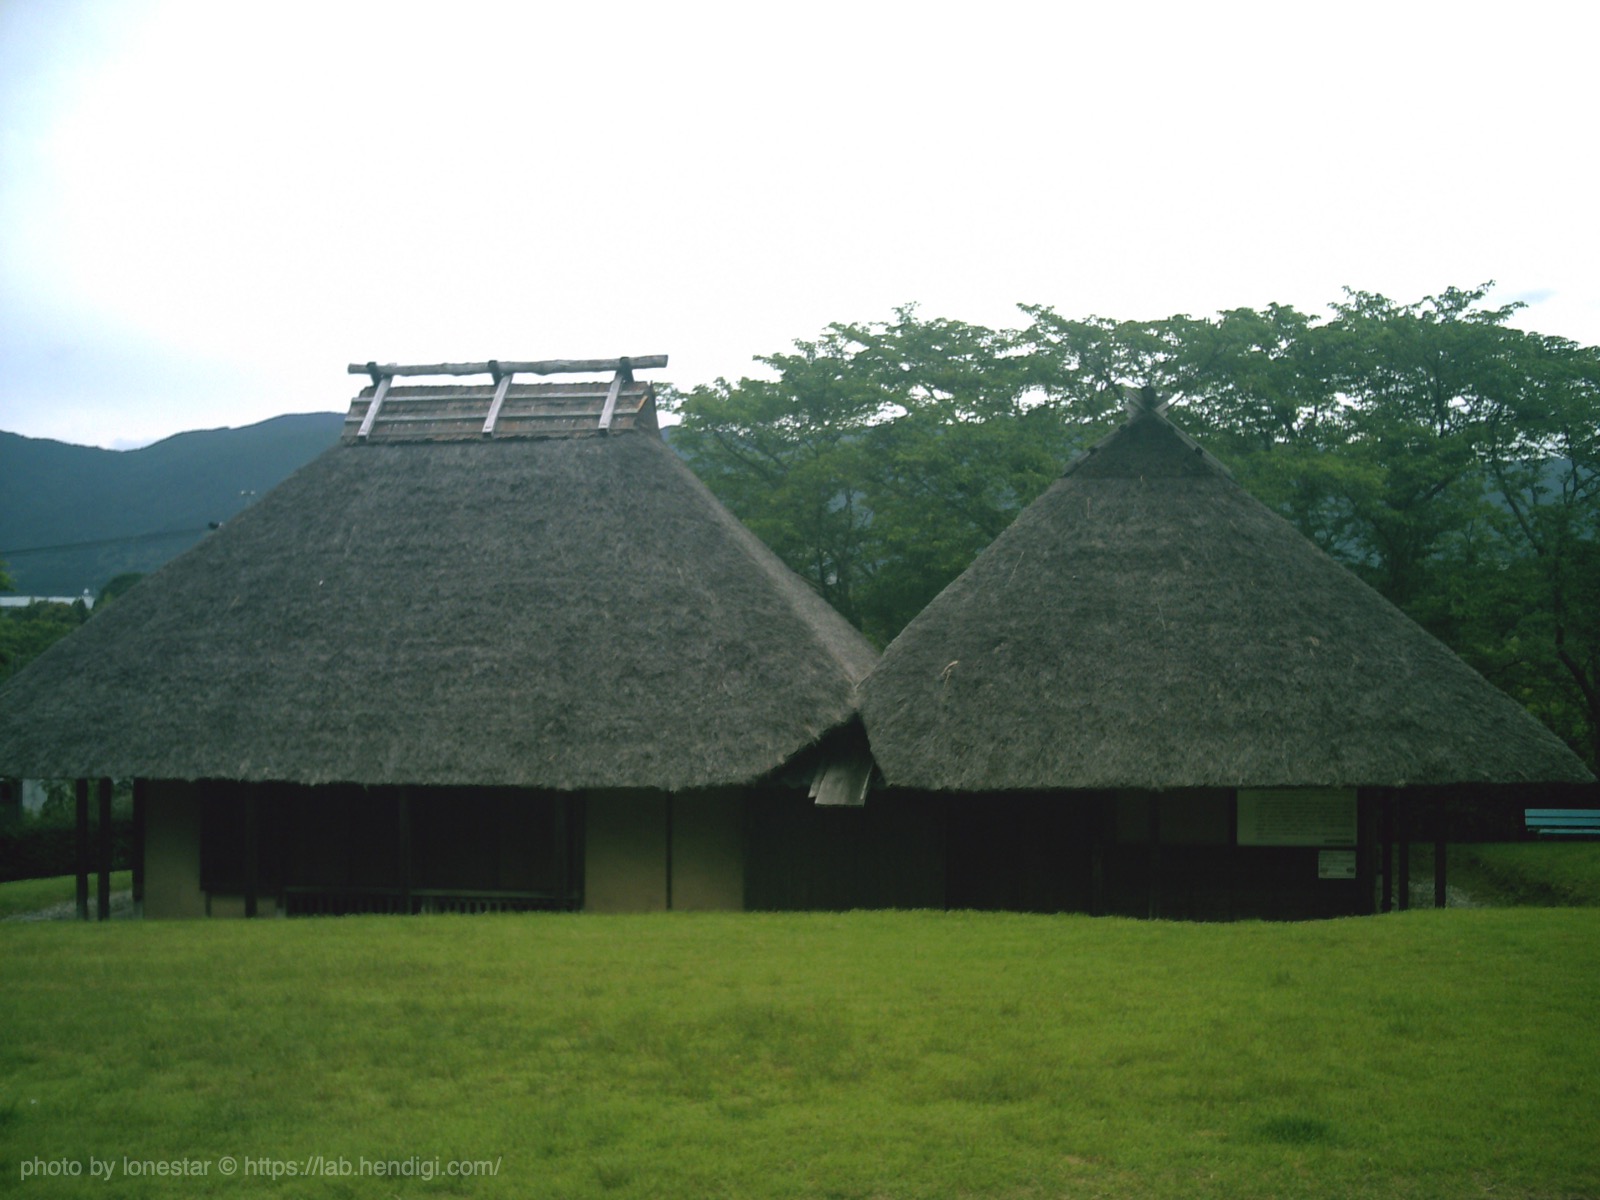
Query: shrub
45	843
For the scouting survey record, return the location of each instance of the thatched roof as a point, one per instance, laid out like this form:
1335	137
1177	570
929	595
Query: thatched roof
567	613
1148	624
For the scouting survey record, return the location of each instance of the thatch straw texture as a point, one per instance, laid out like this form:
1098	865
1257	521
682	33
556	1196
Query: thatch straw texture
1148	624
562	613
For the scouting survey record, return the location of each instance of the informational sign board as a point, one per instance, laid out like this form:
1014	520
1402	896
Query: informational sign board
1336	864
1297	817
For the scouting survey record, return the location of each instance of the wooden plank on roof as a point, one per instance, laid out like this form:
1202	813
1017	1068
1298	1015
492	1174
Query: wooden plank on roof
494	407
550	366
450	412
378	394
611	400
428	418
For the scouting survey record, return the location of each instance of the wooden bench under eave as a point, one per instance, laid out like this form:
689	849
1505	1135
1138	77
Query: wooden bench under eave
1563	822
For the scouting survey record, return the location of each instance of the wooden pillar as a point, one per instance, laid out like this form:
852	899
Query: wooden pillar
1366	864
403	815
141	798
81	865
1155	856
946	818
103	854
1403	837
668	807
252	852
563	837
1439	894
577	826
1097	857
1387	847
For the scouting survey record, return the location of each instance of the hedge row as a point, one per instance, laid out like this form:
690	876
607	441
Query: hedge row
38	849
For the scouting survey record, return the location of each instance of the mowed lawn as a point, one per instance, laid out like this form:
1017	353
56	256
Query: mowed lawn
1427	1054
1543	872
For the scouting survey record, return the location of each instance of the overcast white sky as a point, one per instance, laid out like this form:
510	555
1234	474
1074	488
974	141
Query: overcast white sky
208	209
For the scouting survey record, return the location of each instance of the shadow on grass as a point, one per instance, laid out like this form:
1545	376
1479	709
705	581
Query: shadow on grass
1295	1131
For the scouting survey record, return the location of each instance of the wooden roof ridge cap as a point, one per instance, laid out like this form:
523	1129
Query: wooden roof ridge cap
502	373
1142	408
502	367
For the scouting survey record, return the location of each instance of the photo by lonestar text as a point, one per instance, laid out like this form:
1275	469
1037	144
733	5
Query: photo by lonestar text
265	1166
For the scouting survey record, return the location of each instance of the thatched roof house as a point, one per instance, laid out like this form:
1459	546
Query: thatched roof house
1148	629
554	605
1146	623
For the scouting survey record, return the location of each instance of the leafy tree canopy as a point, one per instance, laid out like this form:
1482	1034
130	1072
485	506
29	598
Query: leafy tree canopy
27	632
880	458
1445	455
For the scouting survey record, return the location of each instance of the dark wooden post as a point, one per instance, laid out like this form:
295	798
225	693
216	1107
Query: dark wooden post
1155	856
103	883
1439	896
252	852
1097	858
81	795
1387	838
140	799
577	832
1366	826
403	837
563	851
1403	837
669	851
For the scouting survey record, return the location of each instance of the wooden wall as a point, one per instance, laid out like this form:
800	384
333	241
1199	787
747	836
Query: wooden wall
1124	853
887	854
763	848
650	851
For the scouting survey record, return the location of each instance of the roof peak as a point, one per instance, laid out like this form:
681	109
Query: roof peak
1146	445
1143	401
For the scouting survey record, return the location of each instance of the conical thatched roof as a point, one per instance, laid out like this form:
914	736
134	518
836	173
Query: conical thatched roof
1148	624
544	612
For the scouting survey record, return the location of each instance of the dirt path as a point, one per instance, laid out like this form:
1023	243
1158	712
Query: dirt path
1454	897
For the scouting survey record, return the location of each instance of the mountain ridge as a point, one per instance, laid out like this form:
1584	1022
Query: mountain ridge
73	517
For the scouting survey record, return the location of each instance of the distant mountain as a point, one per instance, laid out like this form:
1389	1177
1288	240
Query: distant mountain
73	517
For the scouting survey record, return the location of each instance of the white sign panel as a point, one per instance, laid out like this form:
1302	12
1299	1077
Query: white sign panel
1297	817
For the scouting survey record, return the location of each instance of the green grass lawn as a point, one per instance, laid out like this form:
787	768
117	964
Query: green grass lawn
1425	1054
1541	872
29	895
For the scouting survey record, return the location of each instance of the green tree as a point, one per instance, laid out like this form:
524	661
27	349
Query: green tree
26	633
883	456
1532	613
1443	454
785	455
116	586
1415	381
